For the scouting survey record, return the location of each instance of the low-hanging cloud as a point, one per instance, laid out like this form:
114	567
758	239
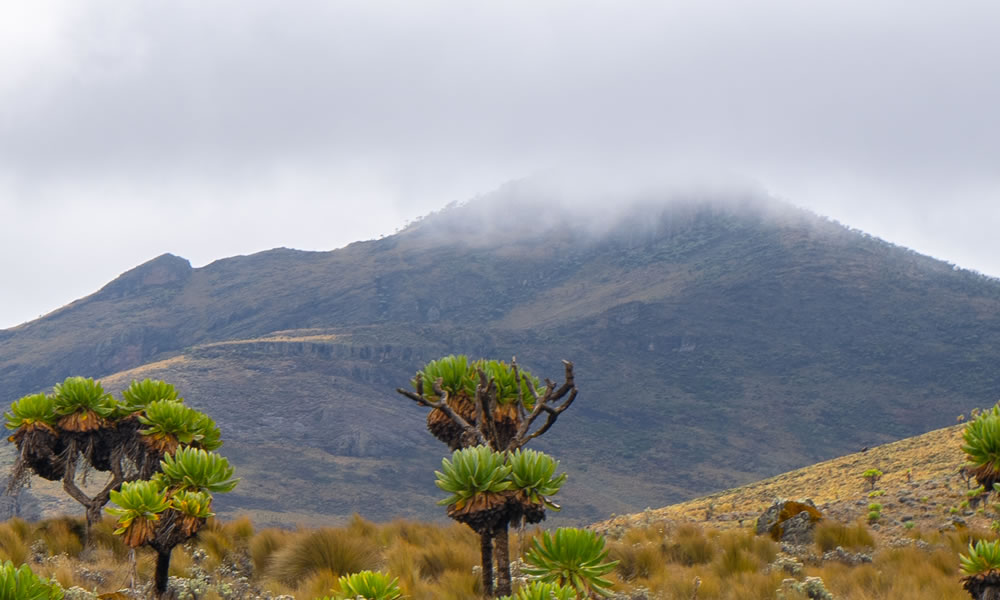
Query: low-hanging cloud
245	125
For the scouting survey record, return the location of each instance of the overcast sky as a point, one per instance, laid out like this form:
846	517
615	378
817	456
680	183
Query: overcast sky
210	129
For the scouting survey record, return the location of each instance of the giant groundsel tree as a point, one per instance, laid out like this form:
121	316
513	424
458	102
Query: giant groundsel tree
170	508
488	490
500	407
79	427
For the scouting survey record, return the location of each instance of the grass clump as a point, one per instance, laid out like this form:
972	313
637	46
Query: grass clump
333	551
830	534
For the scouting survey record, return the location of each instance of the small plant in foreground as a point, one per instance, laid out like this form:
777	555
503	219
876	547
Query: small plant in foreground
541	590
573	557
367	585
20	583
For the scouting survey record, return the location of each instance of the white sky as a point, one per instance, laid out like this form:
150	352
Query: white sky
209	129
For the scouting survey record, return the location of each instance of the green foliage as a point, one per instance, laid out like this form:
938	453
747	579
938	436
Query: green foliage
983	557
139	394
573	557
138	500
982	441
542	590
456	373
192	503
185	424
459	376
20	583
874	512
534	473
507	385
472	471
367	585
196	469
78	394
872	476
32	409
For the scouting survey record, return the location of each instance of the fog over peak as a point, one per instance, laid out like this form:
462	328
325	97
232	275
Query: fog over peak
209	130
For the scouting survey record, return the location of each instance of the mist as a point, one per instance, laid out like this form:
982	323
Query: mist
216	130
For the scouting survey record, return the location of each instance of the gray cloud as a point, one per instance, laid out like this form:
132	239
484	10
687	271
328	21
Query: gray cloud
229	127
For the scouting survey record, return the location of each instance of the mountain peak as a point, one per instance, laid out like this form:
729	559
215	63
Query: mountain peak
165	269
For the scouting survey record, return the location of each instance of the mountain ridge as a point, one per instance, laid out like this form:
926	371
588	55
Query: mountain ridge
714	343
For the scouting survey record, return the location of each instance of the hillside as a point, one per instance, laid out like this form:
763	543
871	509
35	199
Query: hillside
921	483
715	343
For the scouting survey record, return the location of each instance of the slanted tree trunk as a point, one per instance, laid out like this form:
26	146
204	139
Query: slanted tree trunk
93	506
502	552
486	547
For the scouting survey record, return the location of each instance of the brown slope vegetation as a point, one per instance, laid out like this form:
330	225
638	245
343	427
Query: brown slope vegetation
715	343
921	482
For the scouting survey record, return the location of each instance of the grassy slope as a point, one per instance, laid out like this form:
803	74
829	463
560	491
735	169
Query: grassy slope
922	470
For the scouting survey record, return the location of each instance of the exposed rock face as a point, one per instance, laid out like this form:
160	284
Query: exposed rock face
790	521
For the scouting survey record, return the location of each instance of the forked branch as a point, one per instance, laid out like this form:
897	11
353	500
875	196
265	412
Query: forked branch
543	404
440	404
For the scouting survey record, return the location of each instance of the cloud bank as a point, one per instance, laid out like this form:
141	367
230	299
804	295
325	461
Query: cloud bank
215	129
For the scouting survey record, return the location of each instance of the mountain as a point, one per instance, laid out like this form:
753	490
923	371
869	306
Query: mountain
717	340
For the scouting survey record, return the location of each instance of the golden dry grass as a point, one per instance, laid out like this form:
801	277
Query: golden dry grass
669	552
934	455
434	562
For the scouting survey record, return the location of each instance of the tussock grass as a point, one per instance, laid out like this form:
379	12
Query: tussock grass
217	545
13	543
690	546
103	537
336	551
240	530
830	534
264	545
63	535
435	562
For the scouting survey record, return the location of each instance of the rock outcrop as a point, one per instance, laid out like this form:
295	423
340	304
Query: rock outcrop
790	521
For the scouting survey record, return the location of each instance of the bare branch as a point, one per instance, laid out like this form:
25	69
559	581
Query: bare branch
543	405
553	414
441	405
69	483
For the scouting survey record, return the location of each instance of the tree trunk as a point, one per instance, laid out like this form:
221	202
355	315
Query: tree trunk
502	554
486	545
162	572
